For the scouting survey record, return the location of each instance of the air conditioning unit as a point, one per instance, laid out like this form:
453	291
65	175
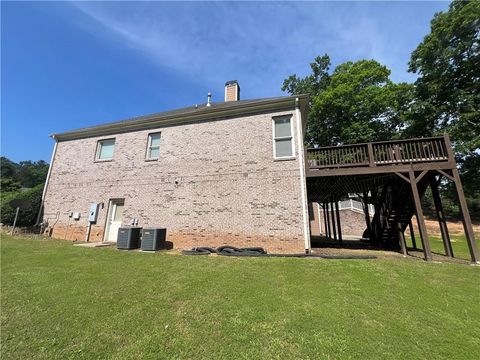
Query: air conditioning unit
128	238
153	238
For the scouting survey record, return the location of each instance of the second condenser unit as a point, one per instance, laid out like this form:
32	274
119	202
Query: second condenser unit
153	238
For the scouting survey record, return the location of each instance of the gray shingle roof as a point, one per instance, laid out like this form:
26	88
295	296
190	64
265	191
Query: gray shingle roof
199	109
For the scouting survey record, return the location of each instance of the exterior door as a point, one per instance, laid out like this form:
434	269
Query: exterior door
114	221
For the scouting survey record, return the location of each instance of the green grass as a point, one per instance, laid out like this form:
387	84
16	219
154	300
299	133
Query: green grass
459	245
61	302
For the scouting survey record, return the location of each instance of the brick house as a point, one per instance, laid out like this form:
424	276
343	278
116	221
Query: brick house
231	172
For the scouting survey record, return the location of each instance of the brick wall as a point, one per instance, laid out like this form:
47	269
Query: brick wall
216	182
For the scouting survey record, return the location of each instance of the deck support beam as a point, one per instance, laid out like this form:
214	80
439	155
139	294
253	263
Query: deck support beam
441	217
367	213
401	240
427	252
327	218
467	222
412	235
339	224
334	226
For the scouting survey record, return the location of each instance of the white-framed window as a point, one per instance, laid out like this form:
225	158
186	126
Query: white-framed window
283	138
153	146
105	149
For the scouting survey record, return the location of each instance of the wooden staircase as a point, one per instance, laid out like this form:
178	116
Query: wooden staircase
394	209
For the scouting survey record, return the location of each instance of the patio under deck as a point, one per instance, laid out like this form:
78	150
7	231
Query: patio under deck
393	176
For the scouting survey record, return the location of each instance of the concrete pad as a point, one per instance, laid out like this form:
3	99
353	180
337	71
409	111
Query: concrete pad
93	245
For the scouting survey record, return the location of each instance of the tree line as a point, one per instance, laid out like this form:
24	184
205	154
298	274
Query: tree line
358	102
24	182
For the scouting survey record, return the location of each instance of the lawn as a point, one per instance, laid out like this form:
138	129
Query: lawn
459	245
60	301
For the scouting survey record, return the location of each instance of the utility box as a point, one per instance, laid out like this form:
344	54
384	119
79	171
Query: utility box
128	238
92	214
153	239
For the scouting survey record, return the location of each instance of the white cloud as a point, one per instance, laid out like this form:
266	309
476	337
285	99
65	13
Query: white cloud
258	43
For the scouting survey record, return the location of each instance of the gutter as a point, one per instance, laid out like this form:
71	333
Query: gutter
47	180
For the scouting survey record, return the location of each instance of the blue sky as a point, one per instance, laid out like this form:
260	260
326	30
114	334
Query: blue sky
66	65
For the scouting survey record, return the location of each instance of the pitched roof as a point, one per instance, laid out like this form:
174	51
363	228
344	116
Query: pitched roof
186	114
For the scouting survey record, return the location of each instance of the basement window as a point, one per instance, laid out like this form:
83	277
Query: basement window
153	146
282	138
105	149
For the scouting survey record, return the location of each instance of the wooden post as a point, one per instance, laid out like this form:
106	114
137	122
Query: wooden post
371	157
441	217
332	215
338	222
327	217
367	213
15	220
412	234
427	252
467	222
401	240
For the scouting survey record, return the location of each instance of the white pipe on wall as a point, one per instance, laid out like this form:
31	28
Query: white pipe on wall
47	180
303	180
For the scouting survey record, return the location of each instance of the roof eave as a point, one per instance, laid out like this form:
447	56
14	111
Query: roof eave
174	119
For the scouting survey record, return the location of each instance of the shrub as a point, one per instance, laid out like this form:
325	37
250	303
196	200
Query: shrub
26	217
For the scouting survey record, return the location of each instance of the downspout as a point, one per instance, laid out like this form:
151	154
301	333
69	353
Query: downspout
303	181
47	180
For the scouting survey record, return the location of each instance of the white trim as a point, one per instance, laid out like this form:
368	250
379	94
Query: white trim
112	206
149	146
99	149
47	180
303	180
291	137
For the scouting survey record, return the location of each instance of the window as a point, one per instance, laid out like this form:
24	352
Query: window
282	138
105	149
153	146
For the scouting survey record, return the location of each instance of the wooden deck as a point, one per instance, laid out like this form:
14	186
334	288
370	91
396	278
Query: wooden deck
393	176
381	157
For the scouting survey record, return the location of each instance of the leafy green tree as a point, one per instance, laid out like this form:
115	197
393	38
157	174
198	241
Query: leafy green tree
25	174
9	184
8	168
312	85
448	87
356	103
447	62
32	173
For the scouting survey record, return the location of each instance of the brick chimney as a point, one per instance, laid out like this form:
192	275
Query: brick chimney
232	90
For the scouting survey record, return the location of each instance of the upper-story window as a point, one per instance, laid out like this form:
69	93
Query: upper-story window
282	138
105	149
153	146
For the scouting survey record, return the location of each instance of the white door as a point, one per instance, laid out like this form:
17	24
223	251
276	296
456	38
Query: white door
114	220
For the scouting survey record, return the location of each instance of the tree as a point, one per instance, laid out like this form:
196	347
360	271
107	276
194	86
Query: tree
356	103
312	85
32	173
448	87
25	174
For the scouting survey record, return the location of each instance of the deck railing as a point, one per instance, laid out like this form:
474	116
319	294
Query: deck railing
380	153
